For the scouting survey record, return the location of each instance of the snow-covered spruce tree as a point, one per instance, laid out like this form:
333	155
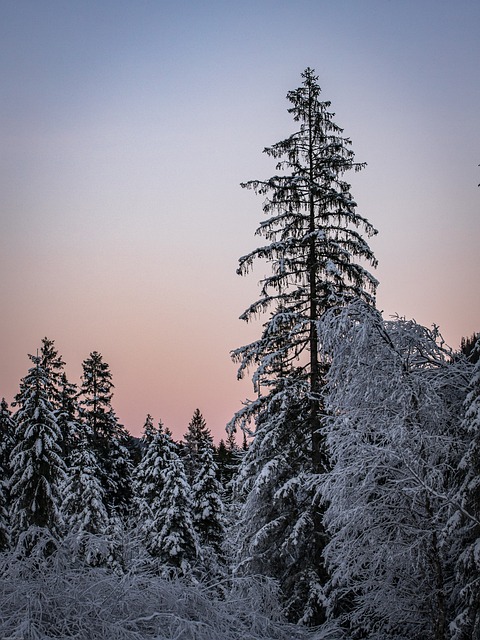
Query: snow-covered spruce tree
85	514
394	397
53	365
172	538
7	428
4	515
110	439
469	349
149	431
6	445
36	463
464	527
228	456
197	434
207	503
67	414
317	255
148	478
203	476
60	393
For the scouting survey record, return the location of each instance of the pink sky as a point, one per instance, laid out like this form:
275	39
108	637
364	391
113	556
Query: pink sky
127	129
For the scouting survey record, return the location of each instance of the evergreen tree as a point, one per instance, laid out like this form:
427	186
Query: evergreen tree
67	415
96	396
7	428
6	445
120	468
221	457
316	252
465	523
468	348
228	457
109	439
148	478
4	516
273	483
208	508
172	537
138	446
315	247
196	438
36	464
84	509
52	364
149	431
52	367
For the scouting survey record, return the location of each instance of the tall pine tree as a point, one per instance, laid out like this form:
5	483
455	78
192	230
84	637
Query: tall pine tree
317	255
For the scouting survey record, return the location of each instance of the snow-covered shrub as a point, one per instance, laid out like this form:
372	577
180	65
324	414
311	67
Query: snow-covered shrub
58	597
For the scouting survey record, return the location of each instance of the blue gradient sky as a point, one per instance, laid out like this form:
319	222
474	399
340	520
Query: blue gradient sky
126	129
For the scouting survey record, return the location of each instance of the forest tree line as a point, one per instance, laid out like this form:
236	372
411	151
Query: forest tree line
69	467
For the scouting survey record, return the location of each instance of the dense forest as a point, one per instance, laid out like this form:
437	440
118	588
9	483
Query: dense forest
352	509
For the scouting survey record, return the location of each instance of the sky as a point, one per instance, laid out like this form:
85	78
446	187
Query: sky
127	127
